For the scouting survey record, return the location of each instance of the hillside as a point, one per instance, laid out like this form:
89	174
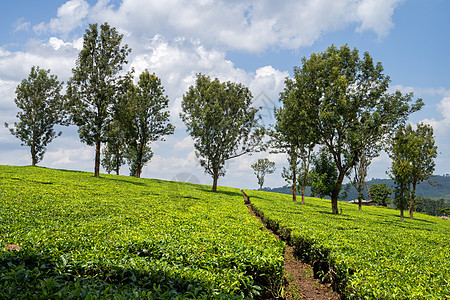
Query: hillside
67	234
118	236
368	254
440	190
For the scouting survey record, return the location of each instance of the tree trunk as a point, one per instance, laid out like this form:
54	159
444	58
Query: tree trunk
117	162
411	203
360	200
97	159
33	154
303	193
139	160
401	215
335	192
334	205
305	175
215	177
294	185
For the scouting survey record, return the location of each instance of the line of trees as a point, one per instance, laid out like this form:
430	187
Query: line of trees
108	108
337	103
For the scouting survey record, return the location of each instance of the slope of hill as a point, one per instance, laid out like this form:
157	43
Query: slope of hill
67	234
368	254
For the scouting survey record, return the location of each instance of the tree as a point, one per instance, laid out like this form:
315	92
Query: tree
324	174
348	106
222	121
413	153
41	108
145	119
263	167
380	193
434	207
292	135
92	87
114	150
290	174
360	172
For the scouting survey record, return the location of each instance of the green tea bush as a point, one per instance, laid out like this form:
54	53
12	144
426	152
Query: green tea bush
120	237
368	254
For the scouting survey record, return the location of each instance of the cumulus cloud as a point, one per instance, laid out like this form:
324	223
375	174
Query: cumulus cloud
376	16
55	54
70	15
441	126
249	25
177	39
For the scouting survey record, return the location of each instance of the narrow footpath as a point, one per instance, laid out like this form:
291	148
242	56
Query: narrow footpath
299	276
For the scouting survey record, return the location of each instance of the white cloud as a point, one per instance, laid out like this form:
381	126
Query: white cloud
441	127
249	25
376	15
70	15
21	25
55	54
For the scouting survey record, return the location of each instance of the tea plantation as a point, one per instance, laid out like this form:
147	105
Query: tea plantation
367	254
119	237
125	238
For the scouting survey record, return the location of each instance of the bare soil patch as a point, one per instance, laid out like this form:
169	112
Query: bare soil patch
299	276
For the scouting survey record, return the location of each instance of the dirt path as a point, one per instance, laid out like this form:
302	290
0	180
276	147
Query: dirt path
300	281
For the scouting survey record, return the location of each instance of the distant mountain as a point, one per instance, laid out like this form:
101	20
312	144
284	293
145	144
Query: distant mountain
441	188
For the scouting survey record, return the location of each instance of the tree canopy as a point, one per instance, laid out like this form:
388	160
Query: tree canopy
222	121
144	118
261	168
292	135
92	87
348	105
413	153
41	108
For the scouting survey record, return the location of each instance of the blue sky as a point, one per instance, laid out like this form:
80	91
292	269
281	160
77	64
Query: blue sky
256	43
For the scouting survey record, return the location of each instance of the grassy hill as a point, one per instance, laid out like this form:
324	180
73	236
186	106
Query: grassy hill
122	237
67	234
368	254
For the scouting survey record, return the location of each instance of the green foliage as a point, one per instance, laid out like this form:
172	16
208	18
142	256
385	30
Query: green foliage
434	207
221	120
413	153
93	85
121	237
323	175
348	105
41	108
115	148
381	194
293	135
365	255
263	167
144	118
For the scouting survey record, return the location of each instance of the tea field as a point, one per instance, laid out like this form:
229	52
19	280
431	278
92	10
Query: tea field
368	254
120	237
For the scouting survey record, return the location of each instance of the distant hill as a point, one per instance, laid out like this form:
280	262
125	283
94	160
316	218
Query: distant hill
440	190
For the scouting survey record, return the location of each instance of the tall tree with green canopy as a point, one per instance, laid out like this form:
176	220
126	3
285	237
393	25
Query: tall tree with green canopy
413	153
380	193
292	135
145	119
222	121
92	87
41	108
261	168
348	105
